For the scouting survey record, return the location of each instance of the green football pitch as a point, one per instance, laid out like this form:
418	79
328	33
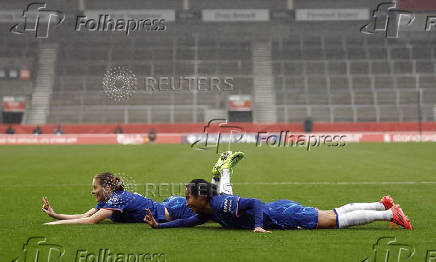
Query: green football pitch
324	177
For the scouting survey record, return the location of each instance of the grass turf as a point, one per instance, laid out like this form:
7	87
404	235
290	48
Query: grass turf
64	174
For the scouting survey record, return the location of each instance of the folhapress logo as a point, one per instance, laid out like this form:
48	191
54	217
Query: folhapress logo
387	249
387	18
38	19
105	23
38	250
234	134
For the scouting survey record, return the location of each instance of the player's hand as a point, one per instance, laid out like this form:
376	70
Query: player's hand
46	208
261	230
149	219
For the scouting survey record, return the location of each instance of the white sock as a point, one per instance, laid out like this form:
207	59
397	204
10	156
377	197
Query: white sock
360	206
361	217
225	186
217	183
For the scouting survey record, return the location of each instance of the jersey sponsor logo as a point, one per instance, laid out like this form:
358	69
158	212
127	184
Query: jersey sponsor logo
227	208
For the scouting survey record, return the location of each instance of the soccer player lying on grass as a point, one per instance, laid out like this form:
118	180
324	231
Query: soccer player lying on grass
249	213
122	206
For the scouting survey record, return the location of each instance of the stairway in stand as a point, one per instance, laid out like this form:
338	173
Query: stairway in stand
264	99
40	104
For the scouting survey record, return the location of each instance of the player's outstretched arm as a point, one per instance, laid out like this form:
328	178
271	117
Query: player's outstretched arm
188	222
46	208
96	218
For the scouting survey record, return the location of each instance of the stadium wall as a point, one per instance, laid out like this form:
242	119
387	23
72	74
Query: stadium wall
195	134
247	127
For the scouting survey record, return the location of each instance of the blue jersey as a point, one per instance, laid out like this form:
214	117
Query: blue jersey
130	207
176	206
236	212
248	213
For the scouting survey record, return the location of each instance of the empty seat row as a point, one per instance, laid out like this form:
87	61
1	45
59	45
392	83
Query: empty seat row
350	114
117	114
359	67
354	82
337	53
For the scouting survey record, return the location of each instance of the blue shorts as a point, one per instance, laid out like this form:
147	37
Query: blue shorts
288	214
176	206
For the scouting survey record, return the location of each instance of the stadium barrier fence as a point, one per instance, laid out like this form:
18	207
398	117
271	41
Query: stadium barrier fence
190	133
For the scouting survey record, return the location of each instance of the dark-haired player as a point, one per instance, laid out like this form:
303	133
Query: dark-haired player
250	213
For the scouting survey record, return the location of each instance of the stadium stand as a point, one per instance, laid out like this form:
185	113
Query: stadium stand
327	70
17	53
331	78
365	80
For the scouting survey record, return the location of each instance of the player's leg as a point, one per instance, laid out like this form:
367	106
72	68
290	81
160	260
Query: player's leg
223	169
384	204
224	186
330	219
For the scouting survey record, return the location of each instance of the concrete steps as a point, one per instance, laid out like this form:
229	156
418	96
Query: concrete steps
40	103
264	95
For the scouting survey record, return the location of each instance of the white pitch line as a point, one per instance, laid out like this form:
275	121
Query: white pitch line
260	183
339	183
